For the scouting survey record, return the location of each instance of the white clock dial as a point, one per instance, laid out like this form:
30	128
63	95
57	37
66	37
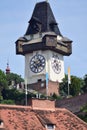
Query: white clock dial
56	64
37	63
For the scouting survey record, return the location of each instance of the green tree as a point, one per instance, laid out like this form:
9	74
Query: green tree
85	84
3	81
13	95
64	86
75	86
10	102
83	113
14	77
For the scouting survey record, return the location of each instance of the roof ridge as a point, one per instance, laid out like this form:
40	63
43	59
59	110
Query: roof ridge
14	106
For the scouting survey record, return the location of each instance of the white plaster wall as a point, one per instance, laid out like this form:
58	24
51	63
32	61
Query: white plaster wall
33	77
54	76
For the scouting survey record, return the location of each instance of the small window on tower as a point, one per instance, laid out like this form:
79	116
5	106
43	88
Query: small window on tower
39	80
42	85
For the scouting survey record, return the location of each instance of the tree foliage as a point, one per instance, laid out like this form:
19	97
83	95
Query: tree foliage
13	94
16	96
64	86
9	95
83	114
85	84
10	102
75	86
3	81
14	77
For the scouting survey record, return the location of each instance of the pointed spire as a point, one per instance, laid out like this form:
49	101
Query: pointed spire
42	20
7	69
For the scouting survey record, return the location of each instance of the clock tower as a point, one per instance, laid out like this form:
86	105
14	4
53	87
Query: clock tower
44	48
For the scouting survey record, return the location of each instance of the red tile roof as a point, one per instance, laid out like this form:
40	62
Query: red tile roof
30	118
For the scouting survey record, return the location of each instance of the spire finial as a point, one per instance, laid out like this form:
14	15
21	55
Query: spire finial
46	0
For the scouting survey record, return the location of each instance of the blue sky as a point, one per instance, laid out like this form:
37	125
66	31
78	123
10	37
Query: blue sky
71	16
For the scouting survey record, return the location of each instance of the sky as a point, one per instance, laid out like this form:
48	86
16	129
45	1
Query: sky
71	16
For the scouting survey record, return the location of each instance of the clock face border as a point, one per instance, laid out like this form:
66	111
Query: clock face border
56	64
37	63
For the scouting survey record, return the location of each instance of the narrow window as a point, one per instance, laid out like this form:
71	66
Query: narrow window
39	80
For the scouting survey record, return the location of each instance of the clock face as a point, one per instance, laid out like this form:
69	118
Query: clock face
56	64
37	63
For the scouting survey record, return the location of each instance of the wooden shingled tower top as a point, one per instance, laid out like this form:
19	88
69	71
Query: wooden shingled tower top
43	20
43	33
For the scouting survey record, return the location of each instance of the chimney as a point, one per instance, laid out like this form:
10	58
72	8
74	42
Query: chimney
42	104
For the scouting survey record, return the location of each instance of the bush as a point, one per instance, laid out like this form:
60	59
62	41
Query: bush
83	114
10	102
55	96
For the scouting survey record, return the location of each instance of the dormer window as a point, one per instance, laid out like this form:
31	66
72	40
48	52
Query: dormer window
50	127
52	26
35	25
1	124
